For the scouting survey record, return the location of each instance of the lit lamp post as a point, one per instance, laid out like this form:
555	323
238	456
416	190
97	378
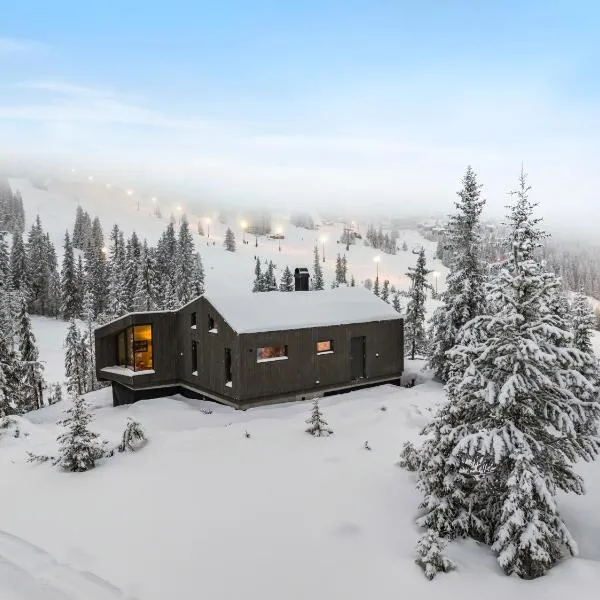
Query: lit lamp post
104	250
323	240
179	209
377	260
244	226
207	221
279	234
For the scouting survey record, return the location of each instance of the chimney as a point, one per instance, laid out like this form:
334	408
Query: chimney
301	278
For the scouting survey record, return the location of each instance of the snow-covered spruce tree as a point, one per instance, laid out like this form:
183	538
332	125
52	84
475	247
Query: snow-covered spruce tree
166	259
258	285
396	302
96	268
377	287
317	424
415	339
340	270
464	297
18	262
229	241
133	249
88	349
517	417
287	281
582	322
30	368
318	281
430	555
269	281
145	297
70	300
74	367
79	448
189	278
385	290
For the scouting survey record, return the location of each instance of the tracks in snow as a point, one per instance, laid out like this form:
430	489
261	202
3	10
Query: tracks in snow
28	572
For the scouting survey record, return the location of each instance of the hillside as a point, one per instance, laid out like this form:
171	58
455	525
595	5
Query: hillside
204	512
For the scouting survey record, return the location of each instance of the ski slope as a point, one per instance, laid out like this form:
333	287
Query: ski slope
204	512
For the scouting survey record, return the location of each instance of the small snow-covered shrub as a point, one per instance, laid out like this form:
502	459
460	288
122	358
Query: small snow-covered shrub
206	411
38	458
410	458
78	446
55	393
318	425
366	446
430	557
134	437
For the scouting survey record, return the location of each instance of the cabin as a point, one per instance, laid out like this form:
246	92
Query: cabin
256	348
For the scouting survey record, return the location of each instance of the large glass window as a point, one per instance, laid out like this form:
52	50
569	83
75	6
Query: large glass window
134	348
271	353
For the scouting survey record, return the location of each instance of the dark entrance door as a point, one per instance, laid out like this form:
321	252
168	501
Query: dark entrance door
357	357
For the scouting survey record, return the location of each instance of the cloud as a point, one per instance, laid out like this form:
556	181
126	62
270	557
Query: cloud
19	45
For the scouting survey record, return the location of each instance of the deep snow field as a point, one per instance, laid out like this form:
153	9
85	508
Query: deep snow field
204	512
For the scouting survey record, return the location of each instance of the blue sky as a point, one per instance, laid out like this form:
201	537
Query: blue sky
355	102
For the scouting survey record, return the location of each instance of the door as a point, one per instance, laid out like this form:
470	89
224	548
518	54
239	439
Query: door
357	357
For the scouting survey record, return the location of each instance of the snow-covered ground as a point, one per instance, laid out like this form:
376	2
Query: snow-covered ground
204	512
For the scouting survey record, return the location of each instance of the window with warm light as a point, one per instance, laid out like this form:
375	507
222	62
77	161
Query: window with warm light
268	353
325	347
134	348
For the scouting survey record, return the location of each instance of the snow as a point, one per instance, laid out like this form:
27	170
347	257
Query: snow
179	519
275	311
125	371
271	359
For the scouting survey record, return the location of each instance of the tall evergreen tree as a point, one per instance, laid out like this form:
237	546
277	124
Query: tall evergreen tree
74	366
166	260
187	274
258	285
118	300
504	444
96	268
133	249
70	306
270	283
18	262
318	281
229	241
145	291
385	290
287	281
463	299
415	340
29	366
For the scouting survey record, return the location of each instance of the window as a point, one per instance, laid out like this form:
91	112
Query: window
271	353
228	378
134	348
211	325
194	357
325	347
193	320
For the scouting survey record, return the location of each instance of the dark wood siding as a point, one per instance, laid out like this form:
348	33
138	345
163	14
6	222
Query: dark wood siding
211	349
305	371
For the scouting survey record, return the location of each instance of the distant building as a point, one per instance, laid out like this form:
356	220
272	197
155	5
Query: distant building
253	349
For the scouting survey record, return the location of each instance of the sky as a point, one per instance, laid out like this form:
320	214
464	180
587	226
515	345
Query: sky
349	103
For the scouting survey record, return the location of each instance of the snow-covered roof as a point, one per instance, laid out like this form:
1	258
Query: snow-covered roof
276	311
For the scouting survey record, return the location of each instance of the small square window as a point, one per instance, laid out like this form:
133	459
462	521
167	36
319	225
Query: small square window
324	347
193	320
